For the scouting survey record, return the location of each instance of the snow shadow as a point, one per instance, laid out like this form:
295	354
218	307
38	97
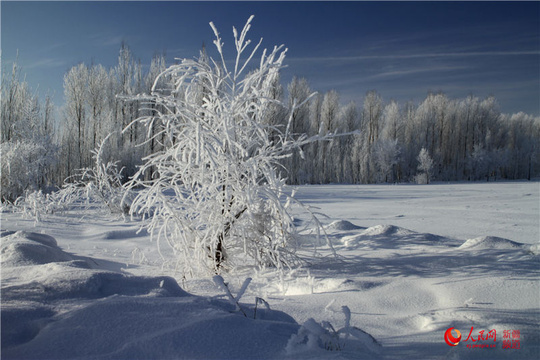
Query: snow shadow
434	265
387	250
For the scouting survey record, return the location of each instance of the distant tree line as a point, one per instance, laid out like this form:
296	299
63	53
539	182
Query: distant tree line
439	138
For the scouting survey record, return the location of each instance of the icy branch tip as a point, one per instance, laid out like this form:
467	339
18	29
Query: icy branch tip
214	28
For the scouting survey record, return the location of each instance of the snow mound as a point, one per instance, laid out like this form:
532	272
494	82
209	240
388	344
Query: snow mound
38	277
40	238
74	281
386	230
343	225
149	328
391	236
534	249
45	272
88	312
490	242
27	248
309	285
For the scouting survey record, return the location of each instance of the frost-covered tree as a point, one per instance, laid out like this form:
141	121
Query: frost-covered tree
75	92
128	82
392	121
329	154
349	120
372	111
425	166
15	95
522	145
27	153
98	79
215	195
298	92
481	163
22	167
386	156
371	116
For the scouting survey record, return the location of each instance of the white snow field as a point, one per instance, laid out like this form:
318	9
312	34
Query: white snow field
412	261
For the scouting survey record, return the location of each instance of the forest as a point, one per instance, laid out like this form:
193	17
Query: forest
372	141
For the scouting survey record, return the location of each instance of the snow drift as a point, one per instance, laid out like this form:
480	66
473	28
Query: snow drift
58	305
490	242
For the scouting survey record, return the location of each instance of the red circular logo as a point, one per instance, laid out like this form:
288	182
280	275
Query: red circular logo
450	339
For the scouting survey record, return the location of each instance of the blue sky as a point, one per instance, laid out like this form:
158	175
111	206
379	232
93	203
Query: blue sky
401	49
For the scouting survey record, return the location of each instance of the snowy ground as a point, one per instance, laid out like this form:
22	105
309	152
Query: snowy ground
413	262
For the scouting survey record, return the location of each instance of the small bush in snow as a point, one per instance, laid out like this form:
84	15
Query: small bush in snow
316	336
34	204
101	183
213	192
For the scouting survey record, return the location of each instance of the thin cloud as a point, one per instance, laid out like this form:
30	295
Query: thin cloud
114	40
407	72
412	56
55	46
106	39
46	63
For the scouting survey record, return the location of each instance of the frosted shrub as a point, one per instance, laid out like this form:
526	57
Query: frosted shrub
104	179
213	192
100	183
314	336
22	167
35	204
